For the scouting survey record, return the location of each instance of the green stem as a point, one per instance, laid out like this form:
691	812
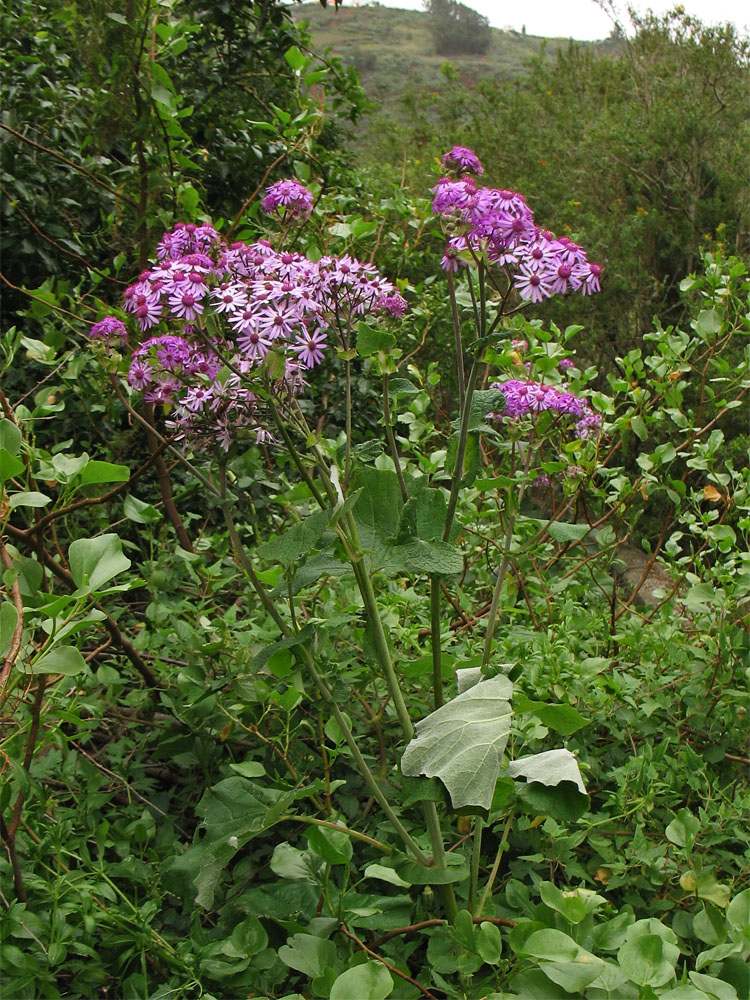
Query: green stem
257	585
391	438
432	820
384	657
365	771
437	649
459	345
348	444
498	857
381	643
513	509
460	451
355	834
294	454
476	855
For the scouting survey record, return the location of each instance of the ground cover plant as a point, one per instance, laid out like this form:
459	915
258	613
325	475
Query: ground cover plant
329	674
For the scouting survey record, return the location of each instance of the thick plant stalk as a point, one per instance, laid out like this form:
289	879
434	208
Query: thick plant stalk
437	649
432	820
496	866
365	771
391	438
514	507
459	346
476	855
351	538
460	451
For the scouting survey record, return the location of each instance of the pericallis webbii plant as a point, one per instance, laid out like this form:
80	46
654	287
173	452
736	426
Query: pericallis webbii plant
213	312
230	335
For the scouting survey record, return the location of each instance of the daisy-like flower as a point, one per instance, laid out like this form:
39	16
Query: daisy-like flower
395	305
110	330
291	196
141	374
187	305
450	260
590	274
164	391
254	345
463	160
531	285
243	320
229	297
147	311
454	196
277	322
310	347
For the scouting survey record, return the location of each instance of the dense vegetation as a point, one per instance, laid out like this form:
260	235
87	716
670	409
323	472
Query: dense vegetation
374	614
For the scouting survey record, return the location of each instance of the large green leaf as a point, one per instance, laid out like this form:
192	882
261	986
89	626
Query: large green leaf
61	660
8	622
435	558
564	719
9	465
371	340
308	954
377	511
649	953
462	743
94	561
371	981
554	785
233	812
297	540
103	472
417	545
548	768
10	436
716	989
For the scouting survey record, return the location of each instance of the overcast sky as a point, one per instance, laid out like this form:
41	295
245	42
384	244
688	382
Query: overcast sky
581	19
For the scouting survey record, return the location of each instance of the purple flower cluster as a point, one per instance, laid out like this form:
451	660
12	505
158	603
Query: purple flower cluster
462	160
526	398
290	198
501	224
204	301
110	330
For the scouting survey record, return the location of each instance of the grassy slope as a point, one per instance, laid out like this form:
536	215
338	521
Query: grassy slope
393	48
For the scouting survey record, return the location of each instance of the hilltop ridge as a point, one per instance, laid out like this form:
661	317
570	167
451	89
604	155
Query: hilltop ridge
391	47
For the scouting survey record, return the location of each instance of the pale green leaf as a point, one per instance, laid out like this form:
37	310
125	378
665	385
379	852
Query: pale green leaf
297	540
10	466
548	768
308	954
8	622
717	989
61	660
29	499
462	743
95	561
370	981
10	436
103	472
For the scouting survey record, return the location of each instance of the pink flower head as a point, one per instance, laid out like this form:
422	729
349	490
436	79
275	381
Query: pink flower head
110	330
531	285
291	196
454	195
590	274
310	347
462	160
396	305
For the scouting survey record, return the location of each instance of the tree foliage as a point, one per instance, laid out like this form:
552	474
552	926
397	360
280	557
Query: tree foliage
650	149
457	28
